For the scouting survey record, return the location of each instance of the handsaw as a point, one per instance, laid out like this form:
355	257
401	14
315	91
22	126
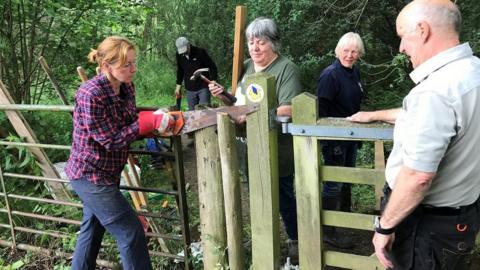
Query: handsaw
189	121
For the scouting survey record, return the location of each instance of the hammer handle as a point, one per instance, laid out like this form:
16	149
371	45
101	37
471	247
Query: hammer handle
231	99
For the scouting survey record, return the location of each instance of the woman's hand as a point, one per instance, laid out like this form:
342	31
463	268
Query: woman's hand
215	89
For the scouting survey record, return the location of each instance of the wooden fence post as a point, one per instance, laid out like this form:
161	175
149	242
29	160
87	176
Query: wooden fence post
307	184
379	164
231	190
238	45
210	195
263	172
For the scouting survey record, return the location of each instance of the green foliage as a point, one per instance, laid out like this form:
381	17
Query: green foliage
17	158
363	198
155	83
365	155
16	265
52	128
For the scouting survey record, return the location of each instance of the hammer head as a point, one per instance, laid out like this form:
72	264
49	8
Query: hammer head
197	73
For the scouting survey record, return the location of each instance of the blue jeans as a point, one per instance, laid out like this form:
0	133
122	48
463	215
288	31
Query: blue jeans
105	208
338	153
201	96
288	206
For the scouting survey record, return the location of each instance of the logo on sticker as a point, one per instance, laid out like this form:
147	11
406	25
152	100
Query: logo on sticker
255	93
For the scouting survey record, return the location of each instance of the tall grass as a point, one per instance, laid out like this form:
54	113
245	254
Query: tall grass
155	83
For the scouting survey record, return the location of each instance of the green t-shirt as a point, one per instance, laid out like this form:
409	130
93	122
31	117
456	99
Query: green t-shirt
287	78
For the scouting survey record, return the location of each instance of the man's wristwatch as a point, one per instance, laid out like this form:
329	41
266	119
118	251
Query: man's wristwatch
380	230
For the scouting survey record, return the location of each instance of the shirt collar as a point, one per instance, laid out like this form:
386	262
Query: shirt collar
108	87
431	65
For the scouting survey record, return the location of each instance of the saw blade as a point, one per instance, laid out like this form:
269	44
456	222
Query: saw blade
198	119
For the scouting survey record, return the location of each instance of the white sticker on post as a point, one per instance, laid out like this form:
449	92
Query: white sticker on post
255	93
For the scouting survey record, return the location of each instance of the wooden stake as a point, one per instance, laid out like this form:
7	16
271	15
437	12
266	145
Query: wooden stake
55	84
238	45
231	190
210	195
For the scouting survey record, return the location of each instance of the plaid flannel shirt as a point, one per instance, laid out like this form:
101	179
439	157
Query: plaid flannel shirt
104	125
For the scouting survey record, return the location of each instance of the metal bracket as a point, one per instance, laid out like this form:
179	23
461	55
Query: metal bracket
272	116
338	132
284	120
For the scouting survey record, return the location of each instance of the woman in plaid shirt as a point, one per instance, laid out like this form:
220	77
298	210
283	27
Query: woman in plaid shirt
105	122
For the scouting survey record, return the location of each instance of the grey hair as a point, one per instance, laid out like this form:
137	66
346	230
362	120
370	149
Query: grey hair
264	28
350	38
438	15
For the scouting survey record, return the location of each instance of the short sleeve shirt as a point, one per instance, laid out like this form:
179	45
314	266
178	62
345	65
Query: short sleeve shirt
288	85
438	128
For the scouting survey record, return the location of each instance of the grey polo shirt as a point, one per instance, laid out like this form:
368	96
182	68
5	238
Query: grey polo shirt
438	128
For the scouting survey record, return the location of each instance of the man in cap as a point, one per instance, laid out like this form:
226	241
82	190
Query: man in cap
190	58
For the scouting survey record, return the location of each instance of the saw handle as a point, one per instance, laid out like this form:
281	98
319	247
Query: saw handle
229	97
179	122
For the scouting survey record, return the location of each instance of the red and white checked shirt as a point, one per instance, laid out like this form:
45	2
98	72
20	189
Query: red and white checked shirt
104	125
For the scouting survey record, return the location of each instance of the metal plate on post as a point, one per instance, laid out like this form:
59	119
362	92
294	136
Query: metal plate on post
340	132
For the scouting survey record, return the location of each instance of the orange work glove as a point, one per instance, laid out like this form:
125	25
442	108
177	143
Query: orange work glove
150	123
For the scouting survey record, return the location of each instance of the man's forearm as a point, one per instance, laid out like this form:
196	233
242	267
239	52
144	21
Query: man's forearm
284	110
409	191
389	116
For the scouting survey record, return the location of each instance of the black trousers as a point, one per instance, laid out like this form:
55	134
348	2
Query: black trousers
436	239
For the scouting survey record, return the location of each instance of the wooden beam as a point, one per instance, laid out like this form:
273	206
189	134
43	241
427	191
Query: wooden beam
307	185
263	173
352	261
54	82
348	220
210	195
231	190
238	45
82	74
379	164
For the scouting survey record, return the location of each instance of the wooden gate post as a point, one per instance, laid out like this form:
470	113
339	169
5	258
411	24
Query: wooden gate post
238	45
307	184
231	190
210	195
263	172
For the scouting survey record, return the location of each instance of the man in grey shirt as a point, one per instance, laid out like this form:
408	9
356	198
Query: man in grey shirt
433	175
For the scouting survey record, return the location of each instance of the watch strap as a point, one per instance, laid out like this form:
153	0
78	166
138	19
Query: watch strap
378	228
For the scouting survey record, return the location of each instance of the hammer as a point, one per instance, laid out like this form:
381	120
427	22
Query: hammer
229	98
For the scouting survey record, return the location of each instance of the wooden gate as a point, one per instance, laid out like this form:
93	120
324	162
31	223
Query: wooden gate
262	131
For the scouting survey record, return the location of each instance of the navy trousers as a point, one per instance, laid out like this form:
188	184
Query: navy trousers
201	97
105	208
338	153
288	206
